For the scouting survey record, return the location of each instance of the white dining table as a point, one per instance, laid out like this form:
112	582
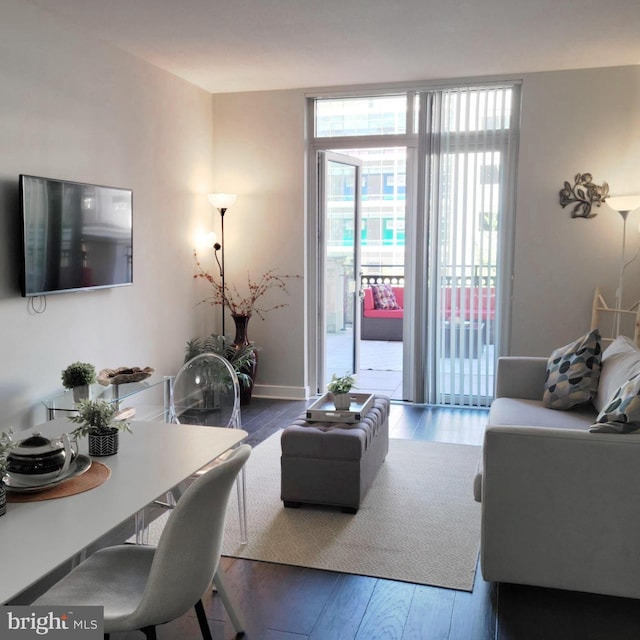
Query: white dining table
37	537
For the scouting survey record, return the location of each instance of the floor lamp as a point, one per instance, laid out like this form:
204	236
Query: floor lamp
624	205
222	201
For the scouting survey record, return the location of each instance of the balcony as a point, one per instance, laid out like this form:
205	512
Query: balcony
380	370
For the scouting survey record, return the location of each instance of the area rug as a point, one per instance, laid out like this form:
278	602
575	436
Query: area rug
418	522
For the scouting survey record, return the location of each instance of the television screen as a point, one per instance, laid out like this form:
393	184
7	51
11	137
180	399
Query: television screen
75	236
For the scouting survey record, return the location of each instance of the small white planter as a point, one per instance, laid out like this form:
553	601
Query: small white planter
342	401
81	393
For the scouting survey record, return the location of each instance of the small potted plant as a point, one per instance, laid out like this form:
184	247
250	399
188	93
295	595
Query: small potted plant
6	443
98	419
78	376
340	388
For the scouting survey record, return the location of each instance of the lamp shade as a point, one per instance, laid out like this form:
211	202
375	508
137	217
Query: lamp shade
624	204
222	200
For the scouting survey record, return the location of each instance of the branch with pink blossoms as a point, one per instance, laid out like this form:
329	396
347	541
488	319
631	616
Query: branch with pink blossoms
239	304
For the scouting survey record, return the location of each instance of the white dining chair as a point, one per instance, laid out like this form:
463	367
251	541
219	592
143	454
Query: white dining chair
142	586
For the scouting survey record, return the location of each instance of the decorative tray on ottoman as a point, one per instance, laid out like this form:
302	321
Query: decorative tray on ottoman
323	410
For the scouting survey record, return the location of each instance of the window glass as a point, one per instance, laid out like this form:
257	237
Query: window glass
378	115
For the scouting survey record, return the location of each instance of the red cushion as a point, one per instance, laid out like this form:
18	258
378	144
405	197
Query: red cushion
383	313
470	303
368	300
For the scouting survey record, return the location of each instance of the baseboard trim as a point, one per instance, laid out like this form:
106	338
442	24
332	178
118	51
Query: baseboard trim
274	392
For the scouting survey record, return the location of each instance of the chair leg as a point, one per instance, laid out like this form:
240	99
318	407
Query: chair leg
142	531
149	633
234	615
242	505
202	620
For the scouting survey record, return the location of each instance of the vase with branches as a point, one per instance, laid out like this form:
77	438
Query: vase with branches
243	305
251	301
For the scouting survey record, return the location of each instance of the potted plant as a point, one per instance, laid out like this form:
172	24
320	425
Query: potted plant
340	388
78	376
241	358
6	443
98	419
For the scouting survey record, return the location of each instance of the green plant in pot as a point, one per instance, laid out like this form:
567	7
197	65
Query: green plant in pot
6	443
99	421
240	358
78	376
340	388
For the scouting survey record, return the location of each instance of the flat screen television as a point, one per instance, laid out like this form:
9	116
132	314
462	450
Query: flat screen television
76	236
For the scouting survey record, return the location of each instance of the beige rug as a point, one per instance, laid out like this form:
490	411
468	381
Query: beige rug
418	523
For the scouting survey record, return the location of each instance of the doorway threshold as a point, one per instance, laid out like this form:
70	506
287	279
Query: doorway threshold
380	368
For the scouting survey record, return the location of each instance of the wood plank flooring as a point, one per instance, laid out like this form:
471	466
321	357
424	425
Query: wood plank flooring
292	603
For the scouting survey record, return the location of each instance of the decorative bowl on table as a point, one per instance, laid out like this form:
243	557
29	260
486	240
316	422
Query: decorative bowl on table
123	375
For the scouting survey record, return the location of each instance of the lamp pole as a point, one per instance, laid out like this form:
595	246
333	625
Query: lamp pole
624	205
624	215
222	211
222	201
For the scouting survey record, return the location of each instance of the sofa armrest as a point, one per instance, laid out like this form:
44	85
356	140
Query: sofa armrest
560	509
521	377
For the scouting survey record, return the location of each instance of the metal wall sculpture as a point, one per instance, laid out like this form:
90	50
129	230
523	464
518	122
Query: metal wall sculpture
585	194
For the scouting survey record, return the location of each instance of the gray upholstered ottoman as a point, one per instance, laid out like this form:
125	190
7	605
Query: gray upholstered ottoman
333	463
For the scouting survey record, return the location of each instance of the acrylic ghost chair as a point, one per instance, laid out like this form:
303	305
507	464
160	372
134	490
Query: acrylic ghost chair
143	586
206	391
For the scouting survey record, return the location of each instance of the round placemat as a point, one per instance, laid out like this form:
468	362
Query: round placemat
93	477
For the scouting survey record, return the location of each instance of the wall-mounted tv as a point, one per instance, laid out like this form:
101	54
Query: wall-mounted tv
76	236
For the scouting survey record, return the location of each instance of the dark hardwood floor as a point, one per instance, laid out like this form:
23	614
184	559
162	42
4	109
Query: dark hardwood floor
282	602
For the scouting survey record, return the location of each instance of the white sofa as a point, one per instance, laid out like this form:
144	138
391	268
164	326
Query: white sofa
560	504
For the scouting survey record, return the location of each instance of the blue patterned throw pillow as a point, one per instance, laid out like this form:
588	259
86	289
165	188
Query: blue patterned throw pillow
573	372
622	413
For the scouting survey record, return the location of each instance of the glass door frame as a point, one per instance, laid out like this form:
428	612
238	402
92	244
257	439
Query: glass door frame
325	158
412	391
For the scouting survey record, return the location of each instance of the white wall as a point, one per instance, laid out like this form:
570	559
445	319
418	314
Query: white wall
75	109
259	154
572	121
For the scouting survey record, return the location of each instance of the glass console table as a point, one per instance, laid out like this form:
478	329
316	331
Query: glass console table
157	388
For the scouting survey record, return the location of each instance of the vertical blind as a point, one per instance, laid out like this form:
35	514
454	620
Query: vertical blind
472	170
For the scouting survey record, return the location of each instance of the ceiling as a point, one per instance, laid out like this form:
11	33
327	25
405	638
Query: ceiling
254	45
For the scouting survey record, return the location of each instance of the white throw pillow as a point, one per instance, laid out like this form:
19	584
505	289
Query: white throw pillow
620	362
